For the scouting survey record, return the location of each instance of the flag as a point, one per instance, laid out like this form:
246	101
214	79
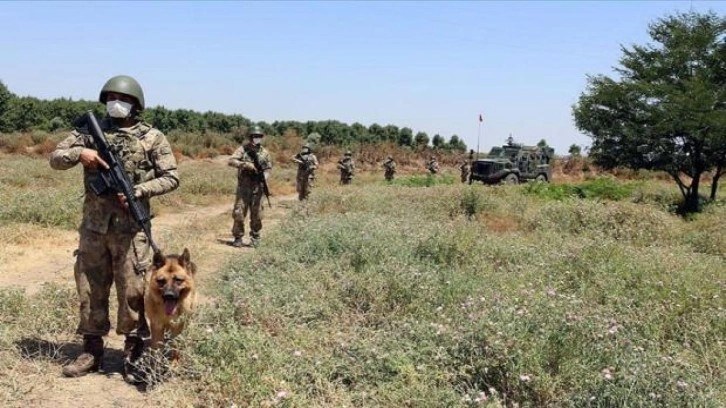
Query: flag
481	119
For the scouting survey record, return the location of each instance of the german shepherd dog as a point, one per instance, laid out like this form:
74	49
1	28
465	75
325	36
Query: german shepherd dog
169	296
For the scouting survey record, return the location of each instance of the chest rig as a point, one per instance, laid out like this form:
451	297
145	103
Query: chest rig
128	146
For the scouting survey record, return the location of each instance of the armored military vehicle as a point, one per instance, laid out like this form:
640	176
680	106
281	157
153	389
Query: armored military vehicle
513	163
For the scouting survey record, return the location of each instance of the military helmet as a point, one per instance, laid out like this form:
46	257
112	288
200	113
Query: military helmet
390	157
306	146
125	85
348	153
255	130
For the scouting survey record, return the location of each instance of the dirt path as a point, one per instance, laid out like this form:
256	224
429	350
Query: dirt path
37	382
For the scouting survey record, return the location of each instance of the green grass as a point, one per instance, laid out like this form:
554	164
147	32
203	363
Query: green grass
348	305
602	188
31	192
424	180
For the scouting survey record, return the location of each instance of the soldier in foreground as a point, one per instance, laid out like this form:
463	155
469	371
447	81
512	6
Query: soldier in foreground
432	166
347	168
112	248
390	168
306	165
253	164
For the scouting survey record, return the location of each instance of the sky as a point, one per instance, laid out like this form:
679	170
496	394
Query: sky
431	66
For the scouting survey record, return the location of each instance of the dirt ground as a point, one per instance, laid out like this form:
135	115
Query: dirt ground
37	382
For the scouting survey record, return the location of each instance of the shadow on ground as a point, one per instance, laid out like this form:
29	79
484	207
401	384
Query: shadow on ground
63	352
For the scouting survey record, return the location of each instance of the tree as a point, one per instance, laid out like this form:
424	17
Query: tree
6	98
438	141
667	111
457	144
575	150
391	133
360	133
377	132
405	137
421	139
542	143
24	114
313	139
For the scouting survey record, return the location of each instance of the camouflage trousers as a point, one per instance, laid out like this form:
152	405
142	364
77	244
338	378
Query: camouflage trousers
464	177
248	200
345	179
303	186
104	260
389	175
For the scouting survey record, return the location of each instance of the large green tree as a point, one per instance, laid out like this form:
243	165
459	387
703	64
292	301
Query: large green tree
667	109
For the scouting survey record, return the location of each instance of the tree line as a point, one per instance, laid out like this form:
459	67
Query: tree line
26	113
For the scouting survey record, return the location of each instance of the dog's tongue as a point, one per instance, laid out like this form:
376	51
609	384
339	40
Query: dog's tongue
170	307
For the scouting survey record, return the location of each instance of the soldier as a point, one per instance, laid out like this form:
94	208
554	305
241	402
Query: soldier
390	168
112	248
465	168
347	168
250	186
306	165
433	165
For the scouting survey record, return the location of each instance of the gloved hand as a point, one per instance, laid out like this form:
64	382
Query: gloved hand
248	167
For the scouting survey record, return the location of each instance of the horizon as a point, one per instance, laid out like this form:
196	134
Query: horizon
432	67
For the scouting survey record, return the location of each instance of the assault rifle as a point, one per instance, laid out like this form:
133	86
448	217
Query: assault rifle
115	180
260	174
305	163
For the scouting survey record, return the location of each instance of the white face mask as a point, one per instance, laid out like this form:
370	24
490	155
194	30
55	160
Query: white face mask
257	140
118	109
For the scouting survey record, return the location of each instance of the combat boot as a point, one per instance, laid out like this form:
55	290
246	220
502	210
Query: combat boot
237	243
89	360
133	348
254	241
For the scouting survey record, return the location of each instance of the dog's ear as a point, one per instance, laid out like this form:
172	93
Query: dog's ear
159	259
184	258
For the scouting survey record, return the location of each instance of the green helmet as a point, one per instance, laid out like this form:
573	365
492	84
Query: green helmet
125	85
348	153
306	146
255	130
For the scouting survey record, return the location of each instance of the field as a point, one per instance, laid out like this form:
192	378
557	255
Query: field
419	293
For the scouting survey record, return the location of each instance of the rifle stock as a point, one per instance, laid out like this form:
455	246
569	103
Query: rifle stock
114	179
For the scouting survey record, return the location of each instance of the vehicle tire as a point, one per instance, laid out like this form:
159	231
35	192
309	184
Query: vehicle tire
511	179
541	178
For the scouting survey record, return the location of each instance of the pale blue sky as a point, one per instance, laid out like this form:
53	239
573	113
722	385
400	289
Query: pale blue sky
431	66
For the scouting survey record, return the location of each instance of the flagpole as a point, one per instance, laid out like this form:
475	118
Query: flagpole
478	136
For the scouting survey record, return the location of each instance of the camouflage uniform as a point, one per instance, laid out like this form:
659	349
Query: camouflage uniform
307	163
249	190
347	169
433	166
390	168
465	171
112	247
